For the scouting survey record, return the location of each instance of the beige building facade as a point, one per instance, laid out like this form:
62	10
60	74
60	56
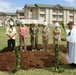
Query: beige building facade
5	17
50	13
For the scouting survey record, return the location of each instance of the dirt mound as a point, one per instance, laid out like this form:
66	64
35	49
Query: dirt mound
31	59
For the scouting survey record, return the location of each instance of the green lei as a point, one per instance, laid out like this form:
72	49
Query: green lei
17	55
56	50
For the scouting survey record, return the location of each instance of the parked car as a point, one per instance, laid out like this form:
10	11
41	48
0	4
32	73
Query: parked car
1	25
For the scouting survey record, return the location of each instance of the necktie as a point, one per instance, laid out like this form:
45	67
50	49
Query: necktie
69	33
68	43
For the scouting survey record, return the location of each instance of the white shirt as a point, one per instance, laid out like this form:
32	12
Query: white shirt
72	37
11	32
71	54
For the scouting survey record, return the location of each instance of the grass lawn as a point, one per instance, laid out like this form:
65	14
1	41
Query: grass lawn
68	70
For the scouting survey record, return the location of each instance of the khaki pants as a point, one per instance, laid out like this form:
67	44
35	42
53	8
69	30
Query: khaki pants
22	43
45	43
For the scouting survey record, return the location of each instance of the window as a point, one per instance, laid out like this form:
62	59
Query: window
42	9
54	16
54	10
30	10
21	18
54	22
60	11
60	16
71	17
21	14
42	15
71	12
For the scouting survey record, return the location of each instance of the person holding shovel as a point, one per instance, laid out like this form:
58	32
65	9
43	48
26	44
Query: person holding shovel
56	39
56	34
45	36
34	35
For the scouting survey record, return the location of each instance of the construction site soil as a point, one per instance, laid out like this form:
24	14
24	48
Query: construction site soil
31	59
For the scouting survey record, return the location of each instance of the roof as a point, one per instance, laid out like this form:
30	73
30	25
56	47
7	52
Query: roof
57	6
20	11
2	14
10	14
29	5
71	8
49	6
44	5
7	14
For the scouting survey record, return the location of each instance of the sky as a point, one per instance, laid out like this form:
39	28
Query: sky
13	5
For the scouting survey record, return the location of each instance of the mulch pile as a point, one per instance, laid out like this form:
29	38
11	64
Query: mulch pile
31	59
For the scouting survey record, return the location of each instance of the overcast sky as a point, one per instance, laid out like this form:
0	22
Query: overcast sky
13	5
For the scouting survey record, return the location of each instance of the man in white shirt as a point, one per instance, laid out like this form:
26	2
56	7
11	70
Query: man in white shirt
11	33
71	45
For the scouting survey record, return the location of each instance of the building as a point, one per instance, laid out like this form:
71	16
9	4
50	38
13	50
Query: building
50	13
20	14
6	16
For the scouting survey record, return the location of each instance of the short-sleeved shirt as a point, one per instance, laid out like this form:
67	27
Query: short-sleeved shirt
45	30
23	31
11	32
34	30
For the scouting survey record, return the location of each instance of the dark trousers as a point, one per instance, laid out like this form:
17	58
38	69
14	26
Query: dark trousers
34	42
11	43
